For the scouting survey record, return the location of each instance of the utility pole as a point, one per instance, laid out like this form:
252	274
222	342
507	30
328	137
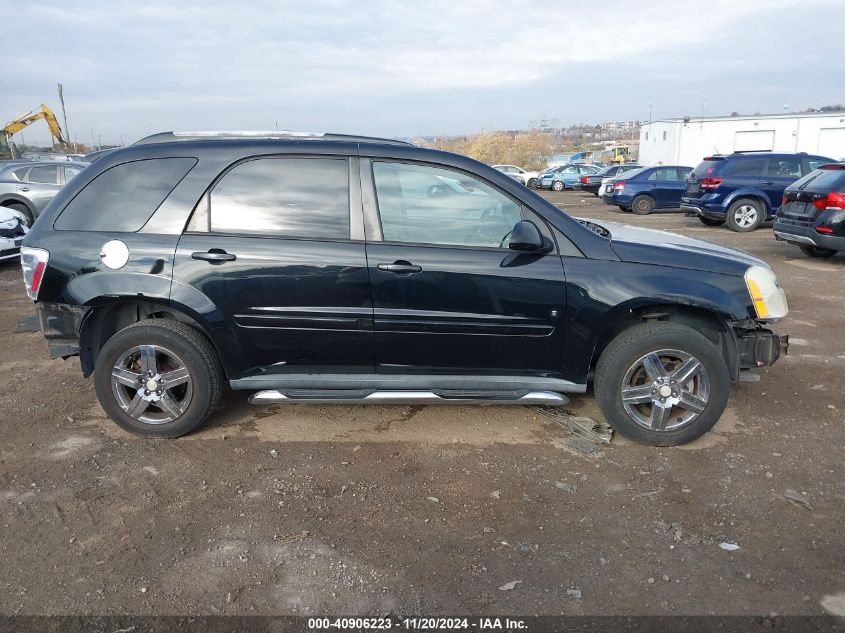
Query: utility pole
93	147
64	113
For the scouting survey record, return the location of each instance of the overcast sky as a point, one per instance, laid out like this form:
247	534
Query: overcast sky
414	67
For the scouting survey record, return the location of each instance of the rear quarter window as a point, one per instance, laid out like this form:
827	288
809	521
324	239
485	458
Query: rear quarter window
124	197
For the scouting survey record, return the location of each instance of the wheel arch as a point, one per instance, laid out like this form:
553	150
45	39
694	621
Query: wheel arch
105	318
12	198
749	193
710	323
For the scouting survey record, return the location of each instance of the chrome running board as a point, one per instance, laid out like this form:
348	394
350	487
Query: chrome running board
340	396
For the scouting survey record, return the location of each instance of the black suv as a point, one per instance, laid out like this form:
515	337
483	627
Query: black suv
332	268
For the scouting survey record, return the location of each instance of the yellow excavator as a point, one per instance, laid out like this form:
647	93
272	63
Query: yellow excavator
7	147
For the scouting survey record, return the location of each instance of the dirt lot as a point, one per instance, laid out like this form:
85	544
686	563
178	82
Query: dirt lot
347	509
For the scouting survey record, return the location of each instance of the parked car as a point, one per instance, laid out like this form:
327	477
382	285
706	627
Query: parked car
27	187
528	178
812	212
565	176
648	188
744	189
90	157
352	269
12	231
592	183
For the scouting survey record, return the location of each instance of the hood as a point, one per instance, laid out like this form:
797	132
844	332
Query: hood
661	248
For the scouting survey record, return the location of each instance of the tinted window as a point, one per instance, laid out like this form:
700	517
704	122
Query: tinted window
753	167
45	174
815	163
293	197
708	167
430	205
124	197
784	167
823	179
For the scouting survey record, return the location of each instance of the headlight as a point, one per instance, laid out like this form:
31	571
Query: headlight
768	297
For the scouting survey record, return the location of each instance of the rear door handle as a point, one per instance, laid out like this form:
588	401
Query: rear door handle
767	182
214	255
400	267
24	189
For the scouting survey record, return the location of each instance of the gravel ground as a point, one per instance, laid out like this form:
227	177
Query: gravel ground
407	509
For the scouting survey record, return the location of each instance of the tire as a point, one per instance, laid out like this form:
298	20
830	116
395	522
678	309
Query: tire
710	221
175	347
744	215
818	251
557	185
642	205
533	183
21	208
623	365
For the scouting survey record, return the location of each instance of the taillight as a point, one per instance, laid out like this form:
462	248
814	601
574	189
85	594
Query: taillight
34	263
711	183
784	200
834	200
585	180
619	186
824	229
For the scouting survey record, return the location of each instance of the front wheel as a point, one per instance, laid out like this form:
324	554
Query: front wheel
533	183
158	378
744	215
817	251
662	384
710	221
557	185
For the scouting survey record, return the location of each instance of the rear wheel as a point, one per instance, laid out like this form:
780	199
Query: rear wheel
557	185
643	205
710	221
817	251
158	378
662	384
744	215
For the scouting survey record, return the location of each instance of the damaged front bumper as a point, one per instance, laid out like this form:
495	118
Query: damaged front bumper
760	347
61	324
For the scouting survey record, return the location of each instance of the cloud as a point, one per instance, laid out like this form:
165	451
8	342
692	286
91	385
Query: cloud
158	65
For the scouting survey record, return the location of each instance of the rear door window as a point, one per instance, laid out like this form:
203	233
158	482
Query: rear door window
124	197
287	197
44	174
753	167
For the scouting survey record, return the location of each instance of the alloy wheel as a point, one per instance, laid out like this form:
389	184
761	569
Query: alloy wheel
745	215
665	390
151	384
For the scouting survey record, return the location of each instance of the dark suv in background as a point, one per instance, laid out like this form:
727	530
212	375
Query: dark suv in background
328	268
812	215
744	189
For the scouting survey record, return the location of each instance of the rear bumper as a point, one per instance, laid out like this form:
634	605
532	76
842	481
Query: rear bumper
760	347
805	234
697	207
61	324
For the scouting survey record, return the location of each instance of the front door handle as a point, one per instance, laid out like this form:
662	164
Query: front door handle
24	189
214	255
400	267
767	182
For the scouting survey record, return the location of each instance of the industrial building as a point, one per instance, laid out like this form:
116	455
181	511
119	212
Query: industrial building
687	140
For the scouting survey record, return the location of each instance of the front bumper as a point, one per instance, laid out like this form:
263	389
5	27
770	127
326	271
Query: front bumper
61	325
760	347
10	248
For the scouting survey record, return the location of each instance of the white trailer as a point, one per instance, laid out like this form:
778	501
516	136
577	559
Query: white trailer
687	140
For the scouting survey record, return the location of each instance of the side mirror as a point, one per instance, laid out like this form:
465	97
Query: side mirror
526	237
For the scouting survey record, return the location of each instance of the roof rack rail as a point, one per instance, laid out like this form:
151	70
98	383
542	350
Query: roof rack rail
173	137
752	151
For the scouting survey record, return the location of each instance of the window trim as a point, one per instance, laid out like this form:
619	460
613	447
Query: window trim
356	222
372	214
